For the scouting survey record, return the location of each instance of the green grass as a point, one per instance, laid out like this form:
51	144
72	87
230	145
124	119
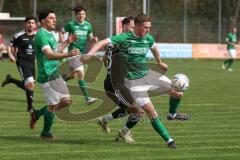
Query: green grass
211	134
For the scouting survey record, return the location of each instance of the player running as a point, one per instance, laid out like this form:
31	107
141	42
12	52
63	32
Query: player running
54	88
231	41
22	49
83	29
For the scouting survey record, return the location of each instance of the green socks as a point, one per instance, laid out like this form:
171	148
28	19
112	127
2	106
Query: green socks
83	87
40	112
173	105
160	129
48	121
228	63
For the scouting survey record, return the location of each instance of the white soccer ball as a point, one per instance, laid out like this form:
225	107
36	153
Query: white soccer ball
180	82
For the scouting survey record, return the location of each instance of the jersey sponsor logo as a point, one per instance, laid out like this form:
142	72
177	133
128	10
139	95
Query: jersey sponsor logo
30	49
81	33
25	39
137	50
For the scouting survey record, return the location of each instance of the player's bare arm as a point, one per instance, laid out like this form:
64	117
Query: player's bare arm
51	55
96	47
93	38
71	38
156	54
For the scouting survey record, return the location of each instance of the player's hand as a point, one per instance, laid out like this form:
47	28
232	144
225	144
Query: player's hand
72	38
163	67
12	58
74	52
95	39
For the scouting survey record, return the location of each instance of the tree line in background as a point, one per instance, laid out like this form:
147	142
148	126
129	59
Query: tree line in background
161	10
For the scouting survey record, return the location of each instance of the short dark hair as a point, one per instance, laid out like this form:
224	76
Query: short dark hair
44	13
141	18
78	8
28	18
127	20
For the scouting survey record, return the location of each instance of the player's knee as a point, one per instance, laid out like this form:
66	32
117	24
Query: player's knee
65	102
80	74
52	108
150	111
30	86
175	94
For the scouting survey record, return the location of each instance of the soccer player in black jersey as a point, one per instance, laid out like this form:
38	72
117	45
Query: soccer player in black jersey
22	48
114	91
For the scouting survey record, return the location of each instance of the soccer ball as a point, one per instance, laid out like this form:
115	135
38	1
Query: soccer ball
180	82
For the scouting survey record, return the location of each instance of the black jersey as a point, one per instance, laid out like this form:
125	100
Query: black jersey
25	54
110	53
114	82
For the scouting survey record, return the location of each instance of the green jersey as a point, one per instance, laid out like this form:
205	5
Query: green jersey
231	37
133	52
82	30
47	69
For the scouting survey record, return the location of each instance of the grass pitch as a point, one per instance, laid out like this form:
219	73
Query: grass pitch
213	133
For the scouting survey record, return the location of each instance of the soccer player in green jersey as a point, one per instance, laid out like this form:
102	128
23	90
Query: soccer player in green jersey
83	30
133	47
128	25
231	41
54	88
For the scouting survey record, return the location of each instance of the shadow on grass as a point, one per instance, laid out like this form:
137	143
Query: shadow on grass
37	140
22	100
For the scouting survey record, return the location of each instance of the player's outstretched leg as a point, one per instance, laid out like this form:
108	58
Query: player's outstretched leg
83	87
29	94
10	79
103	121
125	134
162	131
48	122
174	104
6	80
35	115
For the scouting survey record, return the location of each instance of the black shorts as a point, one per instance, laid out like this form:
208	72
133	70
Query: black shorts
26	72
117	95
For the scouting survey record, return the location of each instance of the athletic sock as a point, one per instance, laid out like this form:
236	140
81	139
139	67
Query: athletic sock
120	112
230	62
173	105
160	129
40	112
29	94
125	129
18	83
48	121
132	121
83	87
108	118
